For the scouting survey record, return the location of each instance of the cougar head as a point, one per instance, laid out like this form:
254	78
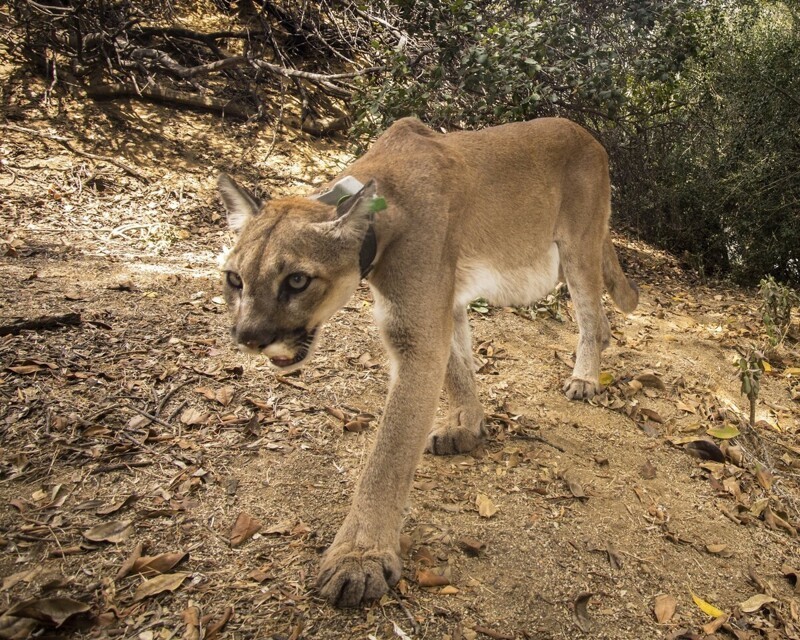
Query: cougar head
295	263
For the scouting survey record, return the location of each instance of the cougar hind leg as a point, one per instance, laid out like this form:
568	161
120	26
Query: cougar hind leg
464	427
582	268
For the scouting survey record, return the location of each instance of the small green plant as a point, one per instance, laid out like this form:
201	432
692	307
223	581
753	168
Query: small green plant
479	305
751	368
777	301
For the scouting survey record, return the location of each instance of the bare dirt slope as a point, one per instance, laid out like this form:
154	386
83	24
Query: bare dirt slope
139	431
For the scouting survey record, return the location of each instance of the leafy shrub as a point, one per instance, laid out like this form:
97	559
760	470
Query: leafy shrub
777	301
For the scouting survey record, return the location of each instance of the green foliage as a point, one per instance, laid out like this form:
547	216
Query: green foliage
777	301
720	184
482	63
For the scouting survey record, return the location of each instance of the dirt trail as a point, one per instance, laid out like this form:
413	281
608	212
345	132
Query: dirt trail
601	499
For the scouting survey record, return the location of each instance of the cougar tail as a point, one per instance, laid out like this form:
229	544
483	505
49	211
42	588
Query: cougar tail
623	290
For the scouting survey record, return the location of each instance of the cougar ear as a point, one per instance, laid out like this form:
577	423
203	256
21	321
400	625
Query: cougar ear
240	203
353	214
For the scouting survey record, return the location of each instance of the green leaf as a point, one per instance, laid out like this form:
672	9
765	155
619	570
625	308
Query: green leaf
724	433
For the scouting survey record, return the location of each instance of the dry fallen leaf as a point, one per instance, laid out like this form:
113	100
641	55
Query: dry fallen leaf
792	575
282	528
427	578
733	452
719	549
707	608
53	611
356	426
159	584
471	546
27	575
774	521
244	528
755	602
12	628
650	380
764	477
712	627
191	617
115	532
486	508
118	505
336	413
224	395
213	628
581	611
614	557
262	574
423	555
366	361
192	416
573	484
26	369
652	414
682	406
664	608
126	567
292	382
151	565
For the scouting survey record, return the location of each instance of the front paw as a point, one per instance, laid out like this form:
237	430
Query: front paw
461	435
349	578
579	389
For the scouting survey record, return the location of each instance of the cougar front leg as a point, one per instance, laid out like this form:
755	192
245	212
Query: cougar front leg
464	426
363	561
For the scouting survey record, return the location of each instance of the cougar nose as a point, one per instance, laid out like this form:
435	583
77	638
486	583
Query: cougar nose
255	340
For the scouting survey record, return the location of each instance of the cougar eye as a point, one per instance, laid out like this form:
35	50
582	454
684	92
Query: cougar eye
297	282
233	279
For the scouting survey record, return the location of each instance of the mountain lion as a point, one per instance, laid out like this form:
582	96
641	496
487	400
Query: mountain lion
432	221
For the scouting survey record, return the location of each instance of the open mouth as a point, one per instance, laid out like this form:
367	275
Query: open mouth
303	347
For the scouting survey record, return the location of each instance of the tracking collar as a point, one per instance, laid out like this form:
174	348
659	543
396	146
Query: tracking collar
345	188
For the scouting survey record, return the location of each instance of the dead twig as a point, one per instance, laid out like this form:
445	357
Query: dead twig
67	144
42	323
163	402
150	416
494	634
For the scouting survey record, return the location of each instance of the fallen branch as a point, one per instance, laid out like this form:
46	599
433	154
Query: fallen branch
67	144
323	79
157	93
42	323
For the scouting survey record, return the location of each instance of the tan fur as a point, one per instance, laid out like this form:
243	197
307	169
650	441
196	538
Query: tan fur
497	213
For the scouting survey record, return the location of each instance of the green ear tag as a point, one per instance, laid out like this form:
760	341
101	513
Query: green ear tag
378	204
343	198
